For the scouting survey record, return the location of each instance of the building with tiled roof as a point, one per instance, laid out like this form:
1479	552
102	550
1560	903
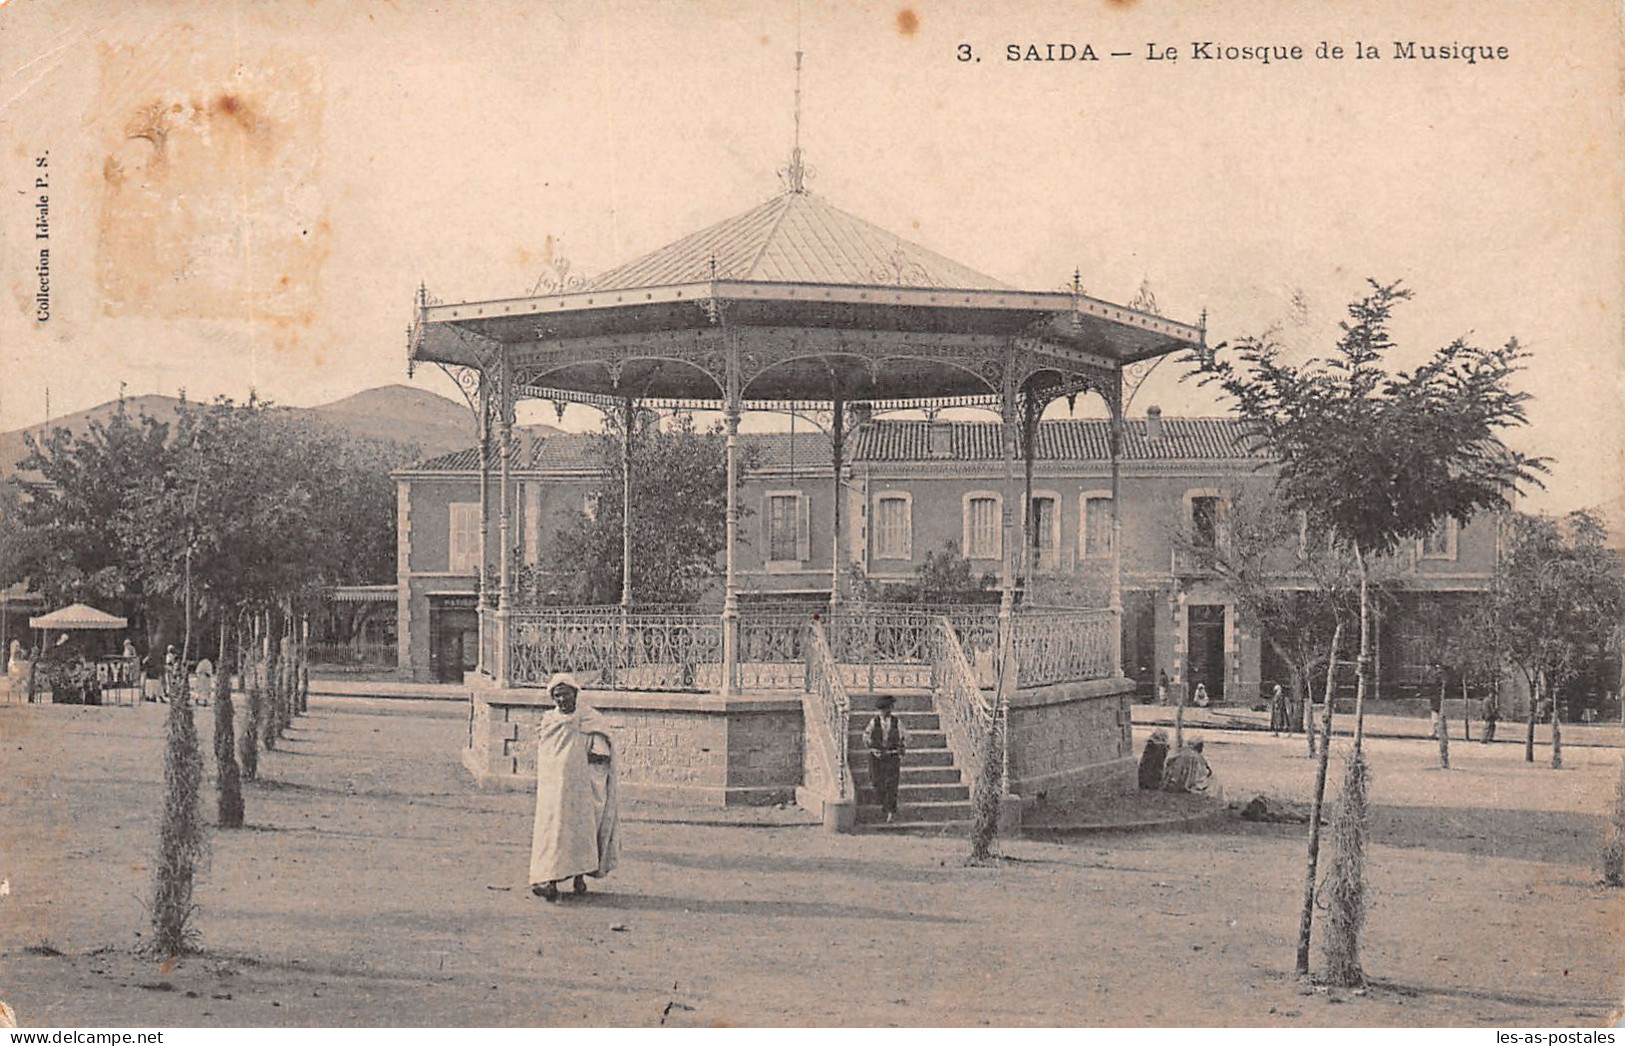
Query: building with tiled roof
911	489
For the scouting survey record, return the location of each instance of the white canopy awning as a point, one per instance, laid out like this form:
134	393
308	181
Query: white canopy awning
78	616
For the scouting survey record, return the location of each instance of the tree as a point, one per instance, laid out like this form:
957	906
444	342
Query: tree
679	516
1300	590
1557	602
67	542
1375	459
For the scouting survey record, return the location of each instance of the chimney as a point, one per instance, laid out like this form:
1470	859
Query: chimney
942	439
1153	423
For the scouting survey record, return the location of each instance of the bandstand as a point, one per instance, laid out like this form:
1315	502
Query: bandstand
797	306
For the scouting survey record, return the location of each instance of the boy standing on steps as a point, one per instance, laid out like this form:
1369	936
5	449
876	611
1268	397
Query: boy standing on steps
886	742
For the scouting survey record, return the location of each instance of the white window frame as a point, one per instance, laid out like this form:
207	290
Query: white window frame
966	548
468	562
905	547
1084	497
803	526
1452	550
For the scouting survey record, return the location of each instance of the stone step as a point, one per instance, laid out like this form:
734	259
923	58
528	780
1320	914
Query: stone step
935	812
914	794
921	739
912	721
921	774
907	701
917	758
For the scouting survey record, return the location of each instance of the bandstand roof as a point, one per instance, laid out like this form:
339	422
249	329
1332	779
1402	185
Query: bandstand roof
806	302
796	237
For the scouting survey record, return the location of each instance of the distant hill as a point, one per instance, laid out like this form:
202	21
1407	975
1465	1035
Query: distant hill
391	413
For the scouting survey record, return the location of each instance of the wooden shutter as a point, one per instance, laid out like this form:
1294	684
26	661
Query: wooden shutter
804	528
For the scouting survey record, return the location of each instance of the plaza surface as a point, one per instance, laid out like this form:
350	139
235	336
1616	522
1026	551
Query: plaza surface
376	885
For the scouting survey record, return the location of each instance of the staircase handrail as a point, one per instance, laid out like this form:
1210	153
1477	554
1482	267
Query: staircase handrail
966	710
828	712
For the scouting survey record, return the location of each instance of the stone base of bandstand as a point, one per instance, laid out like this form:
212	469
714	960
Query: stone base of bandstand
1068	742
682	749
1071	742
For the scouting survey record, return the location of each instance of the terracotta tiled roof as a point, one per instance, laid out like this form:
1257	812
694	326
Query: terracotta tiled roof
1182	439
794	238
570	451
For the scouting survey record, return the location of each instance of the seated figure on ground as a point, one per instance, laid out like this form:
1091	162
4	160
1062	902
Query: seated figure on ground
1188	771
1152	760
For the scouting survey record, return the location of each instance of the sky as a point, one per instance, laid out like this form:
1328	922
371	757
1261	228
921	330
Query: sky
247	195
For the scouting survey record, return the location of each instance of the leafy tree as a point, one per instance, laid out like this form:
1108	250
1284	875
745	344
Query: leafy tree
1375	459
1557	602
66	541
679	516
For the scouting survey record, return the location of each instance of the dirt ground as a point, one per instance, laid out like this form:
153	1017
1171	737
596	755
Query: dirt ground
376	886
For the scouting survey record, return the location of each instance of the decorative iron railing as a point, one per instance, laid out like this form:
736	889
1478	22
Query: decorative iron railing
355	656
617	651
827	712
966	710
772	652
883	646
875	645
1063	644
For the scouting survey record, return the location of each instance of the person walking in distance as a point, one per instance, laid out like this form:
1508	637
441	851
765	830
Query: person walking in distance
886	743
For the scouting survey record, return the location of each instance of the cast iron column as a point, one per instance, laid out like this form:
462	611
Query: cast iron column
504	668
730	599
1114	444
1031	411
481	585
837	446
627	418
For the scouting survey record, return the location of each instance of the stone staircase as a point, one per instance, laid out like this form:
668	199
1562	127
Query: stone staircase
932	796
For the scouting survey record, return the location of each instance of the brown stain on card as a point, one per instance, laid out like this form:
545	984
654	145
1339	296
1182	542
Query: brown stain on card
209	205
908	22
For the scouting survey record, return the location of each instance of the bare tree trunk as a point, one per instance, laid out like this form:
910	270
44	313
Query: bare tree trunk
181	838
228	778
1466	711
248	742
1536	684
1363	663
1179	716
990	781
1345	879
1557	733
1442	729
1307	917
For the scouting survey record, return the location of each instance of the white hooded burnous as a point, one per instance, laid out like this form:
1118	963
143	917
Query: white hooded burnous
577	828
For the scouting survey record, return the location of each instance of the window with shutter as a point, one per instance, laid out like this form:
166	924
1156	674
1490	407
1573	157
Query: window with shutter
984	526
464	543
782	521
894	527
1097	525
803	529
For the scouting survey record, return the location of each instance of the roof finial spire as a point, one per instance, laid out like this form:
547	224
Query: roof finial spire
797	170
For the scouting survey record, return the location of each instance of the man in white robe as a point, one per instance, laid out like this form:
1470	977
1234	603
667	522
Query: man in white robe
577	828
